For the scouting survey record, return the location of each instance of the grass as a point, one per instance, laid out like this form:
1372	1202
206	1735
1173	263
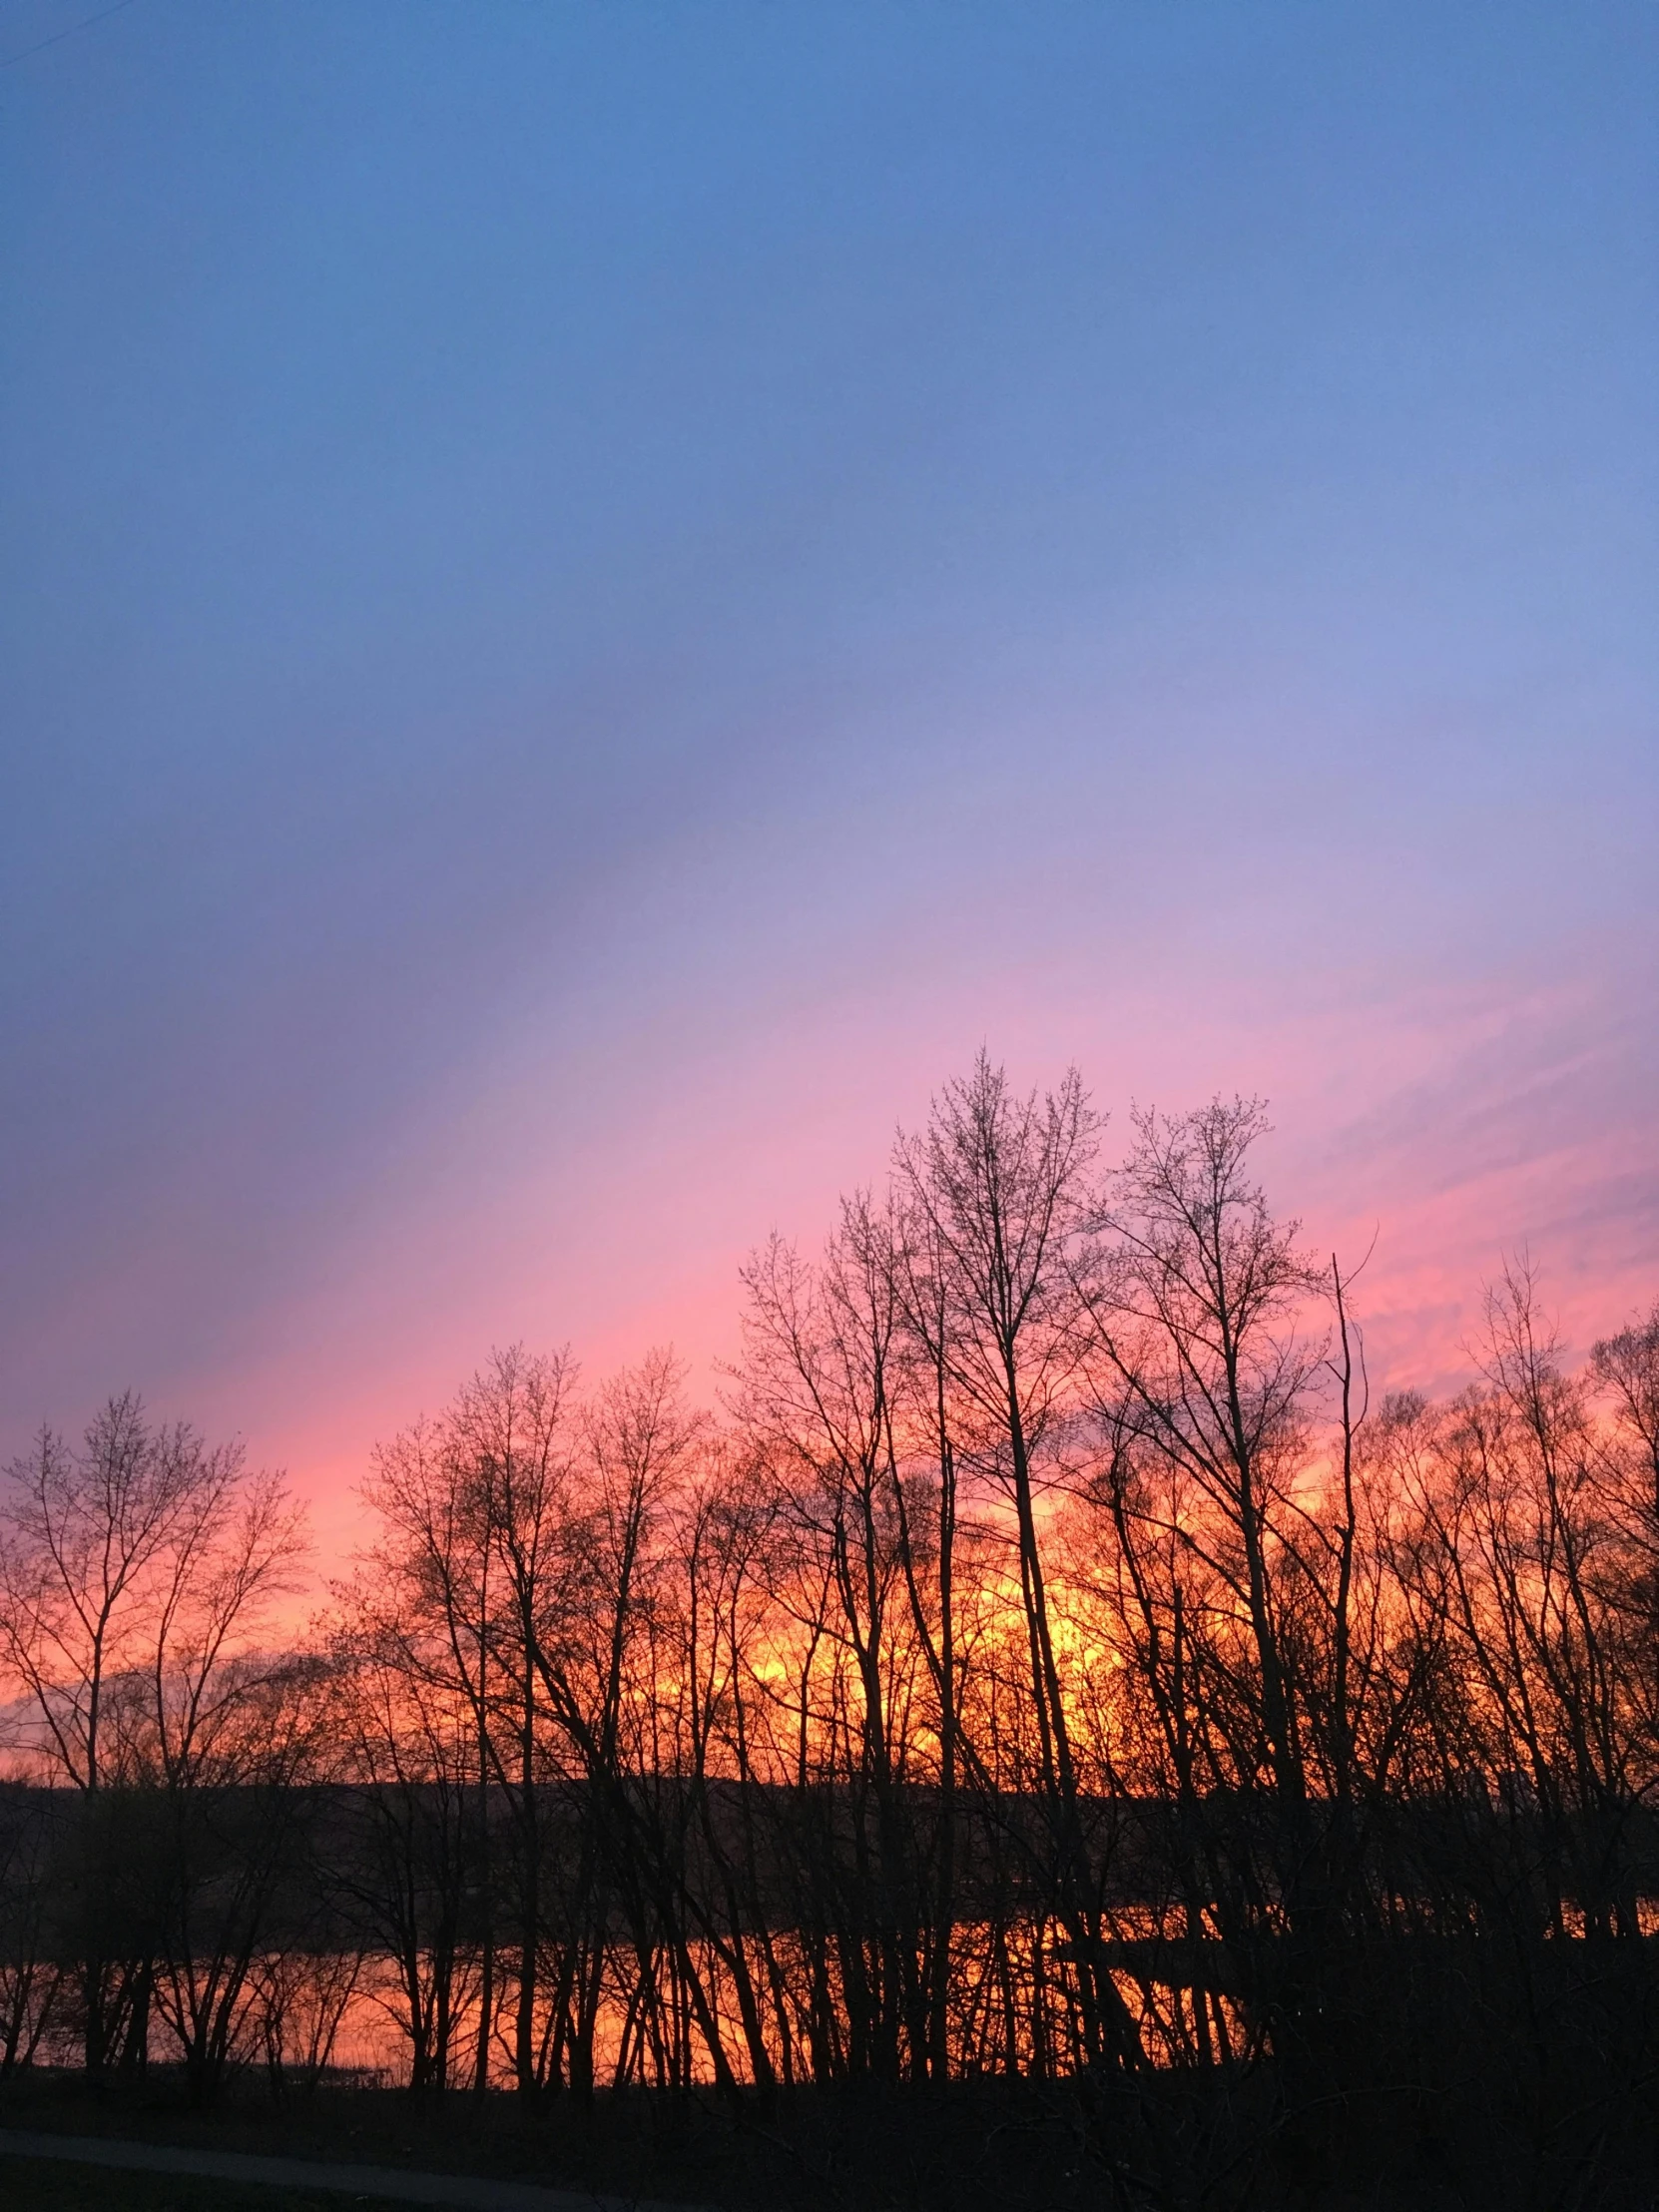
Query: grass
995	2148
55	2185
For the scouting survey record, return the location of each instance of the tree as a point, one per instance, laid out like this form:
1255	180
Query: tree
137	1574
1000	1189
819	1380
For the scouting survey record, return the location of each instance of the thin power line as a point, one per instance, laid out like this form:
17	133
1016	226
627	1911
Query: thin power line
58	37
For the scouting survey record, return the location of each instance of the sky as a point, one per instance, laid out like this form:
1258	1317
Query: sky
592	597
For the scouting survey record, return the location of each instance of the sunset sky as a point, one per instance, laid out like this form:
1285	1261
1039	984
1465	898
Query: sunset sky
594	596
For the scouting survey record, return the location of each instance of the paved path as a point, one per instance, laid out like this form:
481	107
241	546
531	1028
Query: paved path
306	2173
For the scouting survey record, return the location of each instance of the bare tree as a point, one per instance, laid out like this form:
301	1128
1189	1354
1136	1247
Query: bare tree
999	1188
1626	1366
819	1380
137	1574
474	1510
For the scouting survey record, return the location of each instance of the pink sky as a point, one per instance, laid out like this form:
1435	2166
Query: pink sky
1458	1127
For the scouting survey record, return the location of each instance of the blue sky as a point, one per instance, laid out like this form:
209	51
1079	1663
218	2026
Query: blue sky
594	595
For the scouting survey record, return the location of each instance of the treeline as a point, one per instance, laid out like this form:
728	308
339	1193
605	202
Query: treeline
1052	1664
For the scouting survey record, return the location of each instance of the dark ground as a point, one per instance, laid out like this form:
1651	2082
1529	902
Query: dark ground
997	2147
42	2185
982	2147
